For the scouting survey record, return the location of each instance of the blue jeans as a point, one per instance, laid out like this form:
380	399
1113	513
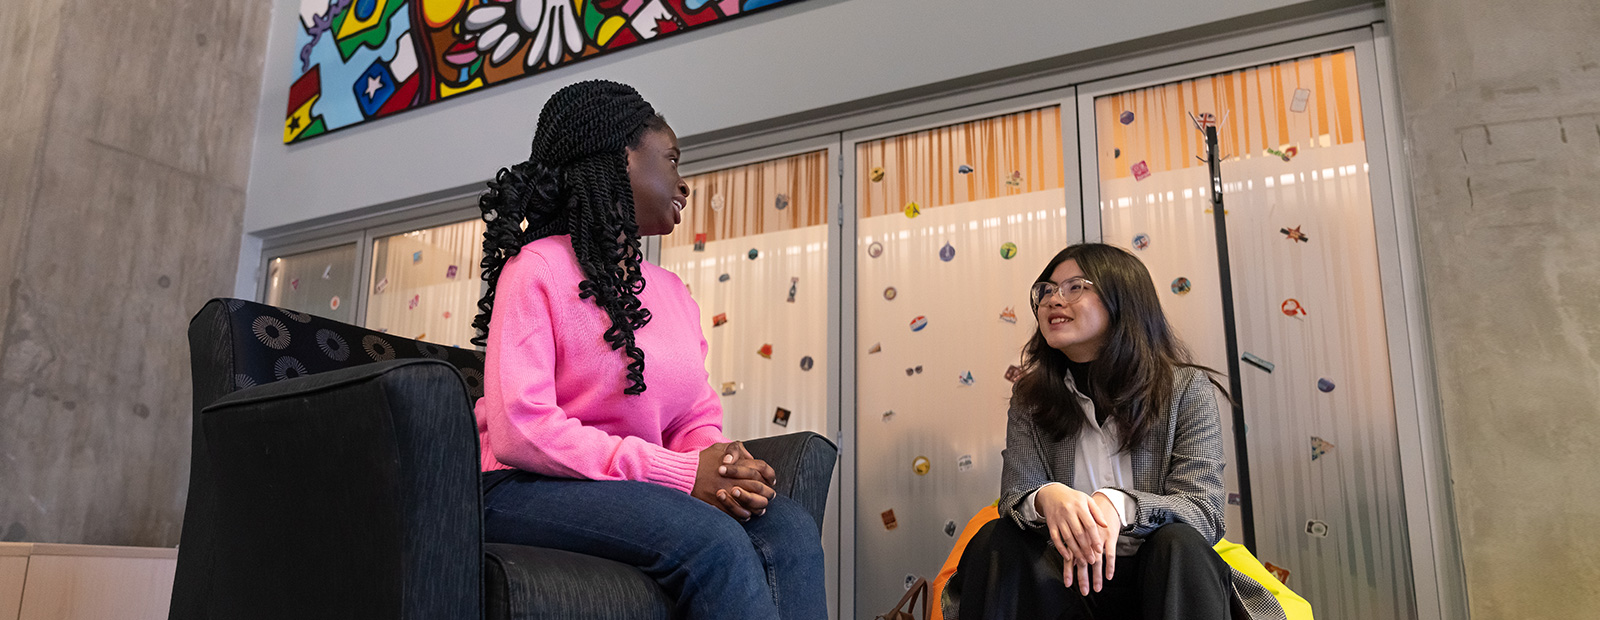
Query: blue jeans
711	564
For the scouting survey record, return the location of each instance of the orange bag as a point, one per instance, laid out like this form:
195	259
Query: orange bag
936	596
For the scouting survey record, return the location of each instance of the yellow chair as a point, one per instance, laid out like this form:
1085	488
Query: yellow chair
1294	607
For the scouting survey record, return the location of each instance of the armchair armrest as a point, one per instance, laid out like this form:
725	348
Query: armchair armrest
352	493
804	462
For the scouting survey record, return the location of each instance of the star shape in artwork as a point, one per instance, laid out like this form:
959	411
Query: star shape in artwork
1294	234
374	84
294	123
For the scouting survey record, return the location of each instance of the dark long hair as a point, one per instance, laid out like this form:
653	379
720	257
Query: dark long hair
575	182
1132	377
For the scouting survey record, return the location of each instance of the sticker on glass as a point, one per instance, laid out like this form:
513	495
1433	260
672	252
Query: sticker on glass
890	293
1181	286
912	210
1008	315
781	202
450	272
1285	154
1013	372
1015	180
1325	384
1254	360
765	351
416	257
412	305
875	348
447	314
888	519
1302	96
806	363
1292	307
729	388
719	320
294	284
1141	241
1141	171
877	175
794	287
781	417
753	254
964	462
875	249
1278	572
917	324
1317	528
1008	250
921	465
949	529
1294	234
911	580
724	278
699	242
1126	118
382	285
334	303
327	272
888	415
1234	499
717	203
966	378
914	370
1320	448
947	253
964	169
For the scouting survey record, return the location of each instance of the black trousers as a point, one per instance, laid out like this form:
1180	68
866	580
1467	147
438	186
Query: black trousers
1008	573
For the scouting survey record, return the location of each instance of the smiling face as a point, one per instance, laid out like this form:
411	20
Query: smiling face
1077	329
659	192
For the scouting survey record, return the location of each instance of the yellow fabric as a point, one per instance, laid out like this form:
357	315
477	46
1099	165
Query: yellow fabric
1294	607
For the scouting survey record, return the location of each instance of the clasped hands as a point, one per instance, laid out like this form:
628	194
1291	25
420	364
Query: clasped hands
1084	529
733	481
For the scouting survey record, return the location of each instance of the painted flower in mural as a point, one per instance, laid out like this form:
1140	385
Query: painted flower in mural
552	26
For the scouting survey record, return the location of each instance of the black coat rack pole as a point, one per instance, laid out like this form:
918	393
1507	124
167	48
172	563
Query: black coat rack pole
1241	448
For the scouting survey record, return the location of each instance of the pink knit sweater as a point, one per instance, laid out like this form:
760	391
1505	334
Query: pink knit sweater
553	401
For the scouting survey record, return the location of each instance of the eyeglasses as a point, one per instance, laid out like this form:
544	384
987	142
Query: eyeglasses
1070	291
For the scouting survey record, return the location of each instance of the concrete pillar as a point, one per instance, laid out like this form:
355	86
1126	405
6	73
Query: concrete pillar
1501	105
122	174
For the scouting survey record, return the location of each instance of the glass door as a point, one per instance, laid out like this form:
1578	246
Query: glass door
1306	304
952	226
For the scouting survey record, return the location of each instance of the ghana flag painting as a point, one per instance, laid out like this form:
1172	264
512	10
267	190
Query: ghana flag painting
366	59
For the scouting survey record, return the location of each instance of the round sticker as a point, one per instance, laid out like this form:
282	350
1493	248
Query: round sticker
723	278
781	202
1292	307
1324	384
921	465
913	209
1141	241
334	303
1181	286
1115	153
877	175
890	293
1127	118
716	203
947	253
917	324
875	250
806	363
754	254
1008	250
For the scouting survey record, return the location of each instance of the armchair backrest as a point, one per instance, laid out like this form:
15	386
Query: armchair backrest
236	344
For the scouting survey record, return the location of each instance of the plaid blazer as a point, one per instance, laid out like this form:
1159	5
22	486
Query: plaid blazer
1177	475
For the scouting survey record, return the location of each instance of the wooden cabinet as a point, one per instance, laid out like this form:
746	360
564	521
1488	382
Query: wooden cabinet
71	582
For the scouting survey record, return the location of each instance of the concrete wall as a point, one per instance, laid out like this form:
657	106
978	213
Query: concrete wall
1501	104
122	174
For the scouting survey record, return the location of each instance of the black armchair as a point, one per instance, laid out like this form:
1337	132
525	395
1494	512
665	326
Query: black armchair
334	474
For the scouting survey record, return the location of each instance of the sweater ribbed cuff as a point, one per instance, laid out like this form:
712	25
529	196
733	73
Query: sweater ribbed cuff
674	469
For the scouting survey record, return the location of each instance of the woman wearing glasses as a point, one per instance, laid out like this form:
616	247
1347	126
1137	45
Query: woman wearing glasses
1113	465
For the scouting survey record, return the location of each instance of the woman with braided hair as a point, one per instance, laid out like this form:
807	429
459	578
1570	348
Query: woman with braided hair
600	432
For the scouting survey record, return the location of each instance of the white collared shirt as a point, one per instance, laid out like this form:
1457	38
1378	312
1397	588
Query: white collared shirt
1097	468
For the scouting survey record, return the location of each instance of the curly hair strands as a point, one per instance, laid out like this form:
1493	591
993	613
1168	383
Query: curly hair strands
575	182
1132	377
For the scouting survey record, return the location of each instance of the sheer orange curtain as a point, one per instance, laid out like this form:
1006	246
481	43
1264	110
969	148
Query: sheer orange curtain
988	158
749	197
1255	110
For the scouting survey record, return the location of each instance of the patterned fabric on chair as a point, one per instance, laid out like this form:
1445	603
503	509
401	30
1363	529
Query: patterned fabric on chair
290	344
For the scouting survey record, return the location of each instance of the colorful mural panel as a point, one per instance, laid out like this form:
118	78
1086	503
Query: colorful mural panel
365	59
